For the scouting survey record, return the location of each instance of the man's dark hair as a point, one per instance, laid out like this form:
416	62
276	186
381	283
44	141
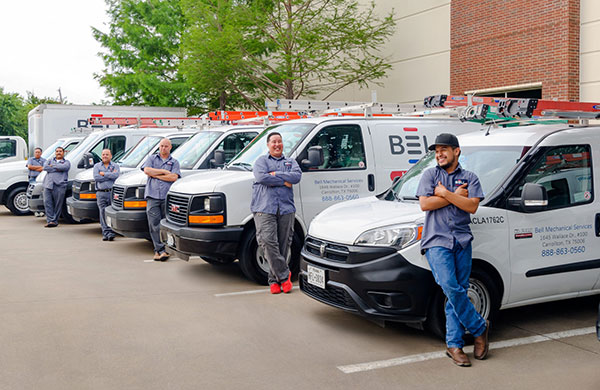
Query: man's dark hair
272	134
40	149
59	147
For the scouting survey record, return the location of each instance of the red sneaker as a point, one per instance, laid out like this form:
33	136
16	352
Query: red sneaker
287	285
275	288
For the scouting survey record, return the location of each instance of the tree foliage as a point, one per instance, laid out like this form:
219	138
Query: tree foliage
14	110
142	54
283	48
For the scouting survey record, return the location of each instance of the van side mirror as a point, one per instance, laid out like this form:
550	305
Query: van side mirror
315	157
87	161
218	159
533	198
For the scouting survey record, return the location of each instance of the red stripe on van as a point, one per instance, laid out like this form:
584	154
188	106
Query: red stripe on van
410	129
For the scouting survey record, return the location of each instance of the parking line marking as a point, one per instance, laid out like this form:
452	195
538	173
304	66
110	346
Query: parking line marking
360	367
248	292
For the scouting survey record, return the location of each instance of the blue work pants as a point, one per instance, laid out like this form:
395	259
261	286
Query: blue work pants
155	211
103	201
53	202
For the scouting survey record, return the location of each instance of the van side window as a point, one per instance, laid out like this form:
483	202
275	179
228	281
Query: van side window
234	143
566	173
343	147
8	148
116	144
176	142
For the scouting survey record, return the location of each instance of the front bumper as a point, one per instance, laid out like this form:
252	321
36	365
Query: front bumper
128	223
83	209
377	283
35	198
220	243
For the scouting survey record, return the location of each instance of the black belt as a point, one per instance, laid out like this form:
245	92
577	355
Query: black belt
109	190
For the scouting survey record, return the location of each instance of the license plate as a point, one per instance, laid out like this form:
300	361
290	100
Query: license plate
316	276
170	240
108	221
70	210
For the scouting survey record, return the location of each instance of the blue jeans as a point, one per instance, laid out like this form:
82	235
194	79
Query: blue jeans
451	269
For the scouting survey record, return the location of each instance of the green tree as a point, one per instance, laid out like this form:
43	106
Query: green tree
13	114
142	54
284	48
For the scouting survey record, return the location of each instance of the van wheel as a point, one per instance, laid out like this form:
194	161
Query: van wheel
215	261
17	201
253	263
482	292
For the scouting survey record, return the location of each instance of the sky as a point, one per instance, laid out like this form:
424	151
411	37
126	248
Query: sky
48	44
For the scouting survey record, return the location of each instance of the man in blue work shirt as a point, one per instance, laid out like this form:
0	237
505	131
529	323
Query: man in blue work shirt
273	208
105	174
35	165
55	186
448	194
162	170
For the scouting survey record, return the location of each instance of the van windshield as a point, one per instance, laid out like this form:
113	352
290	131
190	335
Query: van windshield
190	152
49	152
84	145
139	151
490	164
291	134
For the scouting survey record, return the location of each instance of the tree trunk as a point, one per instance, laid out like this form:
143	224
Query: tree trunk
222	100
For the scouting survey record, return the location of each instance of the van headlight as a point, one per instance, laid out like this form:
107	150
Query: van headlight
397	236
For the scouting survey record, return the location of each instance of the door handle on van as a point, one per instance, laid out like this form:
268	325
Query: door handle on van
371	182
597	225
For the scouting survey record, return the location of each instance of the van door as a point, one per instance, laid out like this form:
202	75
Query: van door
115	143
347	171
553	251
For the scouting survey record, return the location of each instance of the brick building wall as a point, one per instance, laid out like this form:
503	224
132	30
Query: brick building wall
497	43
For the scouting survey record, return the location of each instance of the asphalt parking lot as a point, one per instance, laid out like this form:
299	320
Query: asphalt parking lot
79	313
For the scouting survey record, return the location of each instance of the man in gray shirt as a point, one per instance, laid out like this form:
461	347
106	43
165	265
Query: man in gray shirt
105	174
273	208
162	170
35	165
55	186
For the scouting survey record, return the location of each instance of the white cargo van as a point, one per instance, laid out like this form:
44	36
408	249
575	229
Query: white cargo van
85	155
14	177
536	233
82	204
342	158
208	149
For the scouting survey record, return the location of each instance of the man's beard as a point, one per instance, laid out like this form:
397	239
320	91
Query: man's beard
447	165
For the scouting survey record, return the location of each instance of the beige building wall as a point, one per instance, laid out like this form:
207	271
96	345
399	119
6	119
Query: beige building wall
419	51
589	86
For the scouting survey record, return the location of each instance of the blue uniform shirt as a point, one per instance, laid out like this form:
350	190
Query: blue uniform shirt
156	188
38	162
111	173
444	225
269	194
58	172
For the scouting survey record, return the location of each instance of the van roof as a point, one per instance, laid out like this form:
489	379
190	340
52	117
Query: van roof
510	136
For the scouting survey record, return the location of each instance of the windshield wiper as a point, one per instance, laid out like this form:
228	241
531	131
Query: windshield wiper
243	165
409	198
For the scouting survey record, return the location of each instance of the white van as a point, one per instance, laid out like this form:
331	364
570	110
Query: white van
82	204
536	233
85	155
208	149
342	158
14	177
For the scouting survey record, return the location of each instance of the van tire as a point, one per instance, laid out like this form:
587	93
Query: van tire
483	291
17	202
249	263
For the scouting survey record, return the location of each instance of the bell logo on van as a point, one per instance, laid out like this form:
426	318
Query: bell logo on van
596	106
411	144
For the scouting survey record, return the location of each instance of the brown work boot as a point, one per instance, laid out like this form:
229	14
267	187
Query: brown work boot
482	345
458	357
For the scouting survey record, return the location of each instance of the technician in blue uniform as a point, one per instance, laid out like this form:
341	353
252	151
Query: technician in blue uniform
273	208
55	185
35	166
105	174
162	170
449	194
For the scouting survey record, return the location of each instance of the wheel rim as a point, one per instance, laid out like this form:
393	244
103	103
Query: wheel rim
262	262
20	202
480	297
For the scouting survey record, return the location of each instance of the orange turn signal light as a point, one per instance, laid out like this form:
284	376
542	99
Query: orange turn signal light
135	204
419	232
206	219
87	196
